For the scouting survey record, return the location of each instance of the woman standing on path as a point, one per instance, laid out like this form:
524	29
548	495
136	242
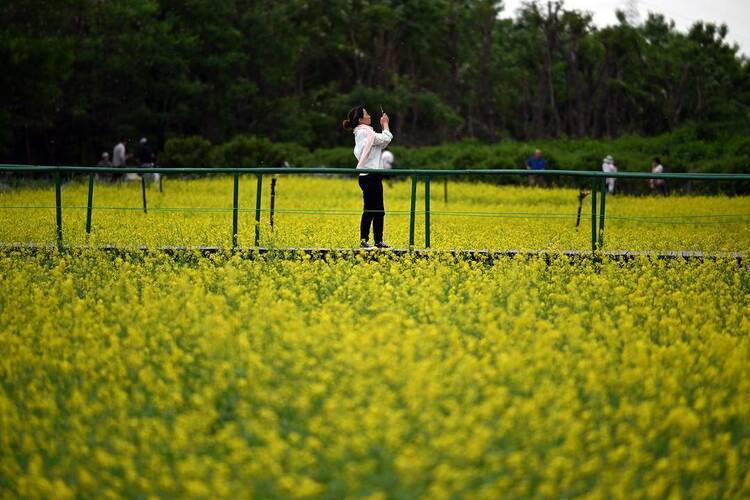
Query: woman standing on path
368	147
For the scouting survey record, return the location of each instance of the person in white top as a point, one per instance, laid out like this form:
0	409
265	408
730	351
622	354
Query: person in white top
118	154
387	159
120	157
658	184
368	149
609	166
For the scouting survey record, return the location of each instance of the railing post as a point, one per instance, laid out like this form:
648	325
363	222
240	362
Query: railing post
445	190
58	209
593	214
235	208
143	190
161	183
89	203
412	211
273	199
427	211
257	210
600	242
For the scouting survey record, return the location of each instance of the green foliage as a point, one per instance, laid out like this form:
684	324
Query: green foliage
679	152
187	152
244	151
76	75
331	157
241	151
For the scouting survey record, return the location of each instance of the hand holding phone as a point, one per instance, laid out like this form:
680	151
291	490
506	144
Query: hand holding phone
384	121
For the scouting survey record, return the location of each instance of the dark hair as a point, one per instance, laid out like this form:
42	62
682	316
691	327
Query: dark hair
352	119
657	160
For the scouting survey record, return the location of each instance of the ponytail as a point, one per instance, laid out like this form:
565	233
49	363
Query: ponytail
352	119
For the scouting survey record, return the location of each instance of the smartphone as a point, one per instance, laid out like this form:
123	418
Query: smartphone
381	110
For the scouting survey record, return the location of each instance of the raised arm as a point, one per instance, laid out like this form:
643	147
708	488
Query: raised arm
385	137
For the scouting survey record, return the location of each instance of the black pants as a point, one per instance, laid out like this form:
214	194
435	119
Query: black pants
374	211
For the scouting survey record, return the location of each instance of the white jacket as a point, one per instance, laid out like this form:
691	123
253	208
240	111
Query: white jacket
369	145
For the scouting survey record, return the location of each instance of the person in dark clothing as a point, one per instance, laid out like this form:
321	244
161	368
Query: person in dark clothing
147	158
536	163
145	154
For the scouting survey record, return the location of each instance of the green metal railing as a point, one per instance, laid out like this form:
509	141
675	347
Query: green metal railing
598	187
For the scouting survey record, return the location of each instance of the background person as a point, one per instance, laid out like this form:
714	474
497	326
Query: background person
104	162
536	163
387	159
659	185
608	166
147	158
368	149
119	155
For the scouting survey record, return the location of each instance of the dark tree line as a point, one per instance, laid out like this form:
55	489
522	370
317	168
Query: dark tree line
78	74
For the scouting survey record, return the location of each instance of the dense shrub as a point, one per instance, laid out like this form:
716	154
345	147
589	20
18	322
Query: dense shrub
186	152
680	151
246	151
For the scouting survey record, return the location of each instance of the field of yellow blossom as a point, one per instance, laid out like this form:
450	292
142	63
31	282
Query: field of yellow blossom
140	375
315	211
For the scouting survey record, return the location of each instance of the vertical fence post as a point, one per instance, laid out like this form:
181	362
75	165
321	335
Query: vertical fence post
600	242
257	210
593	214
58	208
161	183
143	190
273	199
427	211
445	190
412	210
235	208
89	203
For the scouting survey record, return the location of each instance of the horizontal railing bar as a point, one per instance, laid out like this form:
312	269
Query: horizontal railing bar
390	173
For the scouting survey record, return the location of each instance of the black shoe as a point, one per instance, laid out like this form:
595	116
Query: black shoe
381	244
365	244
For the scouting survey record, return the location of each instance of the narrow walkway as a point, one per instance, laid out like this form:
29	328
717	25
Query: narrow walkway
372	254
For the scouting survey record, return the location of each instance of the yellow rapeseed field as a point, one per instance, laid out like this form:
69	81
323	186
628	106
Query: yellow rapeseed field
146	376
324	212
143	375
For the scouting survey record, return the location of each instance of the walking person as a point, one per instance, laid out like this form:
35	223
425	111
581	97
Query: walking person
387	160
609	166
658	184
536	163
147	158
368	149
119	156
